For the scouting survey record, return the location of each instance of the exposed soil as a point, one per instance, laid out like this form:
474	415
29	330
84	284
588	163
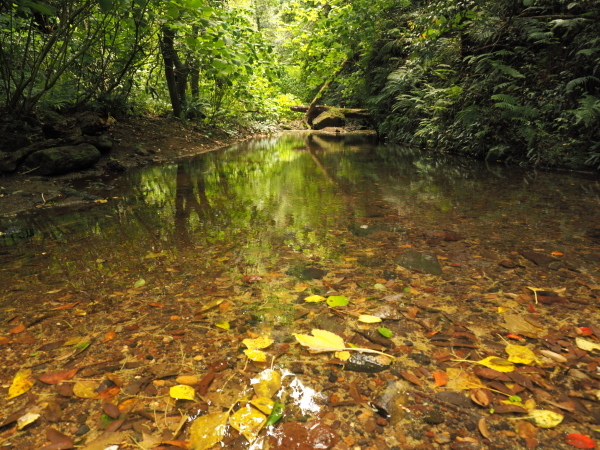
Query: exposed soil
137	141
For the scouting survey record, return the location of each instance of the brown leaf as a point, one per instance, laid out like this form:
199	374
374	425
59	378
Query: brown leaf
67	306
55	436
57	377
111	410
17	329
480	396
109	392
483	428
526	430
114	426
412	378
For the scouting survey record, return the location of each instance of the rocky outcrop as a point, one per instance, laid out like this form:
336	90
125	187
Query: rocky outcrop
59	160
331	118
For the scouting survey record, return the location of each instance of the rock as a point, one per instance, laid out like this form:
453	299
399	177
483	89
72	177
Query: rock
102	143
363	362
115	166
539	259
59	160
331	118
91	123
420	261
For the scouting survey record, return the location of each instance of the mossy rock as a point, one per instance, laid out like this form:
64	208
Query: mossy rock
329	118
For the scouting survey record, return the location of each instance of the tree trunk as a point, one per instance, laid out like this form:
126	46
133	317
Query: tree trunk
319	96
175	73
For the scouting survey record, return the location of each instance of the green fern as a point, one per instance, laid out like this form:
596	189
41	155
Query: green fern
580	81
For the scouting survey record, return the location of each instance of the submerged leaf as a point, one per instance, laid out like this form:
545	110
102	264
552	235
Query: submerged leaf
337	300
208	430
182	392
580	440
586	345
21	383
256	355
259	342
499	364
385	332
314	299
267	383
321	341
264	404
224	325
544	418
365	318
26	419
519	354
248	421
85	389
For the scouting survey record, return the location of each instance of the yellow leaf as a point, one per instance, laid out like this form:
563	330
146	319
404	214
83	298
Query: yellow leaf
225	325
264	404
259	342
21	383
248	421
321	341
459	379
256	355
151	255
365	318
182	392
85	389
544	418
344	356
208	430
586	345
501	309
267	383
499	364
101	200
314	299
26	419
519	354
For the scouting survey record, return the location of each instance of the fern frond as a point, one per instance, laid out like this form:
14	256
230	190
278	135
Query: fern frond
580	81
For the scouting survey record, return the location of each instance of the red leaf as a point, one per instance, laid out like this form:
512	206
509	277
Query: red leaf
17	329
530	308
155	305
57	377
585	331
579	440
441	378
514	336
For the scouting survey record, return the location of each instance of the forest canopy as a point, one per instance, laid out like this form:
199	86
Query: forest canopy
513	80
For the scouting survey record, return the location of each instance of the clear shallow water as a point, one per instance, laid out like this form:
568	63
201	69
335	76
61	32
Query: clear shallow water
236	210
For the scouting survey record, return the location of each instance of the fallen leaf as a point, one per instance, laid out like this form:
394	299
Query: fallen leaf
337	300
440	379
552	355
139	283
267	383
207	431
544	418
586	345
255	355
365	318
385	332
67	306
321	341
57	377
264	404
483	428
259	342
248	421
182	392
480	397
21	383
156	305
314	299
85	389
519	354
579	440
224	325
499	364
17	329
26	419
109	335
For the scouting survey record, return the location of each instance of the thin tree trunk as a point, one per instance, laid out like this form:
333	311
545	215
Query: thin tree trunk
307	117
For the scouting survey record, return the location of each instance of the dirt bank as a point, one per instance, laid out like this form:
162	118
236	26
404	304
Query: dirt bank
137	141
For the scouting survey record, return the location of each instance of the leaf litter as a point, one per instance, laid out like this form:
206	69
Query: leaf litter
245	356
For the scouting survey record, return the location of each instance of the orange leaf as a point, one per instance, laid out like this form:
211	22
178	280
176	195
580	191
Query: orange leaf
57	377
109	392
182	444
155	305
579	440
225	306
110	335
4	340
17	329
67	306
514	336
441	379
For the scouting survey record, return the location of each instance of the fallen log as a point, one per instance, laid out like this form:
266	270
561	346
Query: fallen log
349	113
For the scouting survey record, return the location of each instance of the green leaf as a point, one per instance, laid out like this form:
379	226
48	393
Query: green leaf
276	414
105	5
44	9
173	12
139	283
385	332
82	346
337	300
